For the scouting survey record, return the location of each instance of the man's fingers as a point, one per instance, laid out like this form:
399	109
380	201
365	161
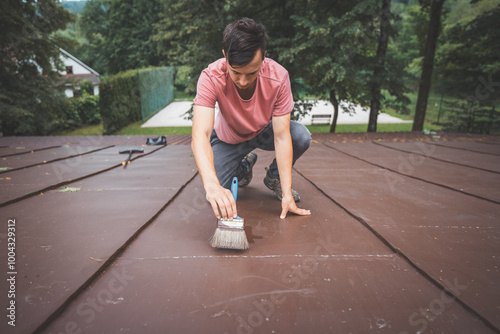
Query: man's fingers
292	207
223	203
227	205
215	207
232	202
302	212
283	213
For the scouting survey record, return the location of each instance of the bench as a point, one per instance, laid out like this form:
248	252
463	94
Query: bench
321	119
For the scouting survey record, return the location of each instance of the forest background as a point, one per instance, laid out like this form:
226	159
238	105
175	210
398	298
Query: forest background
372	53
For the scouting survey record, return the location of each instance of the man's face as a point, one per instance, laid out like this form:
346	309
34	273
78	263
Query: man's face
244	76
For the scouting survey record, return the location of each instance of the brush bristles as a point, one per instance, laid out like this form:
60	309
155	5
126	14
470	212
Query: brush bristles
229	239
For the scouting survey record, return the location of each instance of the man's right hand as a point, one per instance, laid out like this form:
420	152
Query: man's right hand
222	201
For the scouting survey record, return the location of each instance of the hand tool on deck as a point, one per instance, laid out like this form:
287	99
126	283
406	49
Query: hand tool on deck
130	151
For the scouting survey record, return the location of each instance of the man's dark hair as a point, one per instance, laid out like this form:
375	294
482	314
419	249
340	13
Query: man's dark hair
242	39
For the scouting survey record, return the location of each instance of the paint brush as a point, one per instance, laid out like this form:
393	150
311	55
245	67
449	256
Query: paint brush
230	233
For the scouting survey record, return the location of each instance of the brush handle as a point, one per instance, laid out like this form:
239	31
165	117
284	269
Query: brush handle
234	188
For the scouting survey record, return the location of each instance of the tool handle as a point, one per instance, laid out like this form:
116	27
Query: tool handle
234	188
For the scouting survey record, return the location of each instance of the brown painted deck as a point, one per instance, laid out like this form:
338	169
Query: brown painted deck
404	238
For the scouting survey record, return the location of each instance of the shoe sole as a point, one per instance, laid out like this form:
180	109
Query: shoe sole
268	185
250	174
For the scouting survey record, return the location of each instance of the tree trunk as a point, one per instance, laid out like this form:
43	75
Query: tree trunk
335	102
430	50
378	72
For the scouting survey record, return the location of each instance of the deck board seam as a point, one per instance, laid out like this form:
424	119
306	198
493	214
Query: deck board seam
417	178
437	159
64	183
464	149
108	263
28	152
400	253
58	159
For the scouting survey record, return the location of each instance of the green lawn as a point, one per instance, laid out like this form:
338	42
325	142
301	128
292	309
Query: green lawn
343	128
91	130
135	129
431	116
436	108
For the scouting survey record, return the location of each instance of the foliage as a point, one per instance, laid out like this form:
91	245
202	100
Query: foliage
75	7
469	68
66	116
116	35
130	30
87	107
119	102
334	50
190	34
134	95
87	86
471	51
329	49
73	113
28	65
466	117
182	78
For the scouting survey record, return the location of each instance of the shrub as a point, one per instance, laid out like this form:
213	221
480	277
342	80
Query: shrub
86	86
72	113
87	107
65	116
468	117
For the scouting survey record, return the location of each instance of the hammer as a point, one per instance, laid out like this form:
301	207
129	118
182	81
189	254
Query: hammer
130	151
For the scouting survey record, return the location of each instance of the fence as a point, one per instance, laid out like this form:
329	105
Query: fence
156	86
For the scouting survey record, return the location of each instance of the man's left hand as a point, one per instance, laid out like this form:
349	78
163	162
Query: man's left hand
288	205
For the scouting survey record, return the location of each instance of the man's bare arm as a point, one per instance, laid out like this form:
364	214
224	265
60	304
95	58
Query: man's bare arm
220	199
284	158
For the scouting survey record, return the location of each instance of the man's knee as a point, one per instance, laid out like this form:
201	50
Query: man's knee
301	137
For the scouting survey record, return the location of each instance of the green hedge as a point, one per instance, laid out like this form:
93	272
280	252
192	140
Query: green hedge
119	102
134	95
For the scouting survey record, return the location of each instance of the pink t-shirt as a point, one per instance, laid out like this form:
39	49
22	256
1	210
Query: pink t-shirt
240	120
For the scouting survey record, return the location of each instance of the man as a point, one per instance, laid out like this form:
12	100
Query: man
255	101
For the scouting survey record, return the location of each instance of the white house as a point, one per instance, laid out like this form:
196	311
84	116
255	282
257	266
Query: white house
77	71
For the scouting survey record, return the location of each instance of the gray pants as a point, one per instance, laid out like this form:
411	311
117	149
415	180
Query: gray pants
228	157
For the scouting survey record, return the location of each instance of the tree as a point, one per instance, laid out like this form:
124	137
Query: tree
378	72
328	49
117	35
190	34
471	51
29	64
92	35
469	68
426	77
129	40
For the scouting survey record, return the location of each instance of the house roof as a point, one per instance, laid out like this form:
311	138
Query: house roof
69	55
80	77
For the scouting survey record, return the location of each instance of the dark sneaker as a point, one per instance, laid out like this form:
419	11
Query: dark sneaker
251	159
275	185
